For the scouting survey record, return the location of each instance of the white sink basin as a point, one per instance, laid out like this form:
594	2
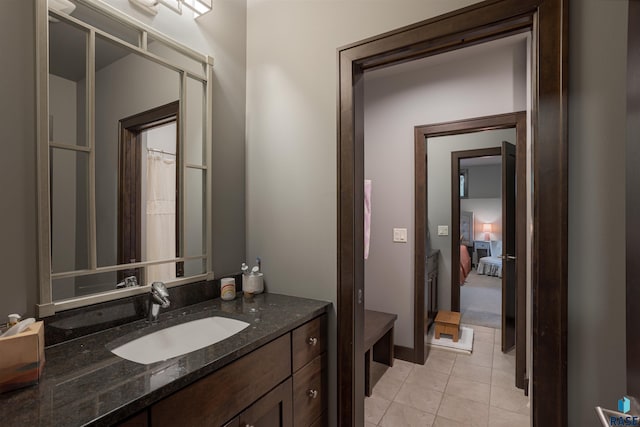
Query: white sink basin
180	339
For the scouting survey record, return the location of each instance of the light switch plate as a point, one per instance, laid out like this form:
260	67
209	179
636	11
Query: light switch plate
443	230
400	235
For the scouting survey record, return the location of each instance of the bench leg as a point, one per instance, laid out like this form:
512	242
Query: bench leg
383	349
368	387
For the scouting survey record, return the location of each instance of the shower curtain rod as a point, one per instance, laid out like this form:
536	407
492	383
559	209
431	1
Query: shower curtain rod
155	150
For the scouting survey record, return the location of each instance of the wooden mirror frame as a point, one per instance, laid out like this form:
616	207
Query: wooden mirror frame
548	21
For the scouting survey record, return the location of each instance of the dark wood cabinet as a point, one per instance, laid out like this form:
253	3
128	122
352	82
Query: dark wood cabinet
281	384
141	419
432	287
272	410
309	344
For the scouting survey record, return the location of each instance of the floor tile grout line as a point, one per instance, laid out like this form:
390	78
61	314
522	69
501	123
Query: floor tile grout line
445	390
396	393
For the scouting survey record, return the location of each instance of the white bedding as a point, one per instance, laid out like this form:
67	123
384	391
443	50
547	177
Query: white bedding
490	266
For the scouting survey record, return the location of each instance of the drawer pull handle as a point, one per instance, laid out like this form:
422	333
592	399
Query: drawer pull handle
312	341
312	393
249	425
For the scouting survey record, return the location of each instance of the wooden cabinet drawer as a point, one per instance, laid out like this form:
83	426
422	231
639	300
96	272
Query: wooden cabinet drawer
309	341
310	391
216	398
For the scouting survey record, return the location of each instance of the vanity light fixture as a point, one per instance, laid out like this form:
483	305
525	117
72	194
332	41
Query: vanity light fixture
199	7
64	6
147	6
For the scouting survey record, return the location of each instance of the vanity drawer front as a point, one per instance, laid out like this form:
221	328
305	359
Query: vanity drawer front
310	392
215	399
309	341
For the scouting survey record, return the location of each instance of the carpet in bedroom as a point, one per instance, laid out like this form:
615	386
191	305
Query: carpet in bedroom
481	300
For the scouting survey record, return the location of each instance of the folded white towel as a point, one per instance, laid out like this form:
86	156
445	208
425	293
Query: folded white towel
367	216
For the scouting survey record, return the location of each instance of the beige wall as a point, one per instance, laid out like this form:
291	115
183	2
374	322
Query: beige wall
597	109
18	252
291	133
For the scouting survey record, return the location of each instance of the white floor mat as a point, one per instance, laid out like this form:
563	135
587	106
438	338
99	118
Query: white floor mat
464	344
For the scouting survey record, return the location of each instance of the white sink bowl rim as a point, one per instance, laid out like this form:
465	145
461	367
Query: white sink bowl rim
179	339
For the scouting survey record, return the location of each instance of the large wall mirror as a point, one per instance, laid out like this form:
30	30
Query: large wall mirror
124	138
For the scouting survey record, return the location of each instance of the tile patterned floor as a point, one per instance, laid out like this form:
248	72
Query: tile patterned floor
451	389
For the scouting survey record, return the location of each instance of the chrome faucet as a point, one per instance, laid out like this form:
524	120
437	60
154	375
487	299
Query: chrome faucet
159	297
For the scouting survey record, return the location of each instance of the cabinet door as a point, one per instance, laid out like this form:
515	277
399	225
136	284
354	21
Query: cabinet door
216	398
275	409
141	419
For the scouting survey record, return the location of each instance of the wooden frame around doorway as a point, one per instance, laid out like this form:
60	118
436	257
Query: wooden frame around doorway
547	20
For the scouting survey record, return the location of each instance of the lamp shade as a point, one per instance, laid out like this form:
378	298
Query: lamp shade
486	228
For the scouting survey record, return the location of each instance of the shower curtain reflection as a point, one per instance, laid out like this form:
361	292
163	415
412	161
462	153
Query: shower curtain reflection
160	205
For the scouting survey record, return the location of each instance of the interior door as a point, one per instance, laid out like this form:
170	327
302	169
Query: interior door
508	246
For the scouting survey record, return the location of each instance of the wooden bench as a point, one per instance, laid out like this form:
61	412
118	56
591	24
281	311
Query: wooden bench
378	342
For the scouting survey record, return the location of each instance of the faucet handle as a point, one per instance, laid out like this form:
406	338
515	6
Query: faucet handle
160	289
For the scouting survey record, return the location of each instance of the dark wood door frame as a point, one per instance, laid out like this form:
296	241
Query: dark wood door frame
633	204
456	156
130	179
518	121
548	22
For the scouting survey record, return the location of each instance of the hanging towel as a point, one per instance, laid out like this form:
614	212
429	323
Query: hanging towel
367	216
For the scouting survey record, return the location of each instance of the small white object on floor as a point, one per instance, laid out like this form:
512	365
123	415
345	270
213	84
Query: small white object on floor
464	344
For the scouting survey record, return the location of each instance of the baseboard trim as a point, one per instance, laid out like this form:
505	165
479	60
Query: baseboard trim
404	353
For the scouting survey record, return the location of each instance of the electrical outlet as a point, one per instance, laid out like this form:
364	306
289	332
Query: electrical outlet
443	230
400	235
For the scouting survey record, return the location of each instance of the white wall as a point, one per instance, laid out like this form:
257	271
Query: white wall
478	83
597	111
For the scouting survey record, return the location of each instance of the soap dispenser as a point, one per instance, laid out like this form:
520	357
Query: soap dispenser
252	283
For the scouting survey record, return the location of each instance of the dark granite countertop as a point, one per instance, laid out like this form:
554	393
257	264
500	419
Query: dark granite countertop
83	383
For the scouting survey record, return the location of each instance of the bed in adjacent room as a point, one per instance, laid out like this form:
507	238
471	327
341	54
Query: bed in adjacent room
492	265
465	264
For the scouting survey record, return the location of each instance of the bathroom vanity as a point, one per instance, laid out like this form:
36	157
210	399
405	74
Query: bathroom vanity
274	372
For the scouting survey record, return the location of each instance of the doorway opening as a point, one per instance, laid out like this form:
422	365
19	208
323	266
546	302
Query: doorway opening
480	222
492	19
149	193
456	142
